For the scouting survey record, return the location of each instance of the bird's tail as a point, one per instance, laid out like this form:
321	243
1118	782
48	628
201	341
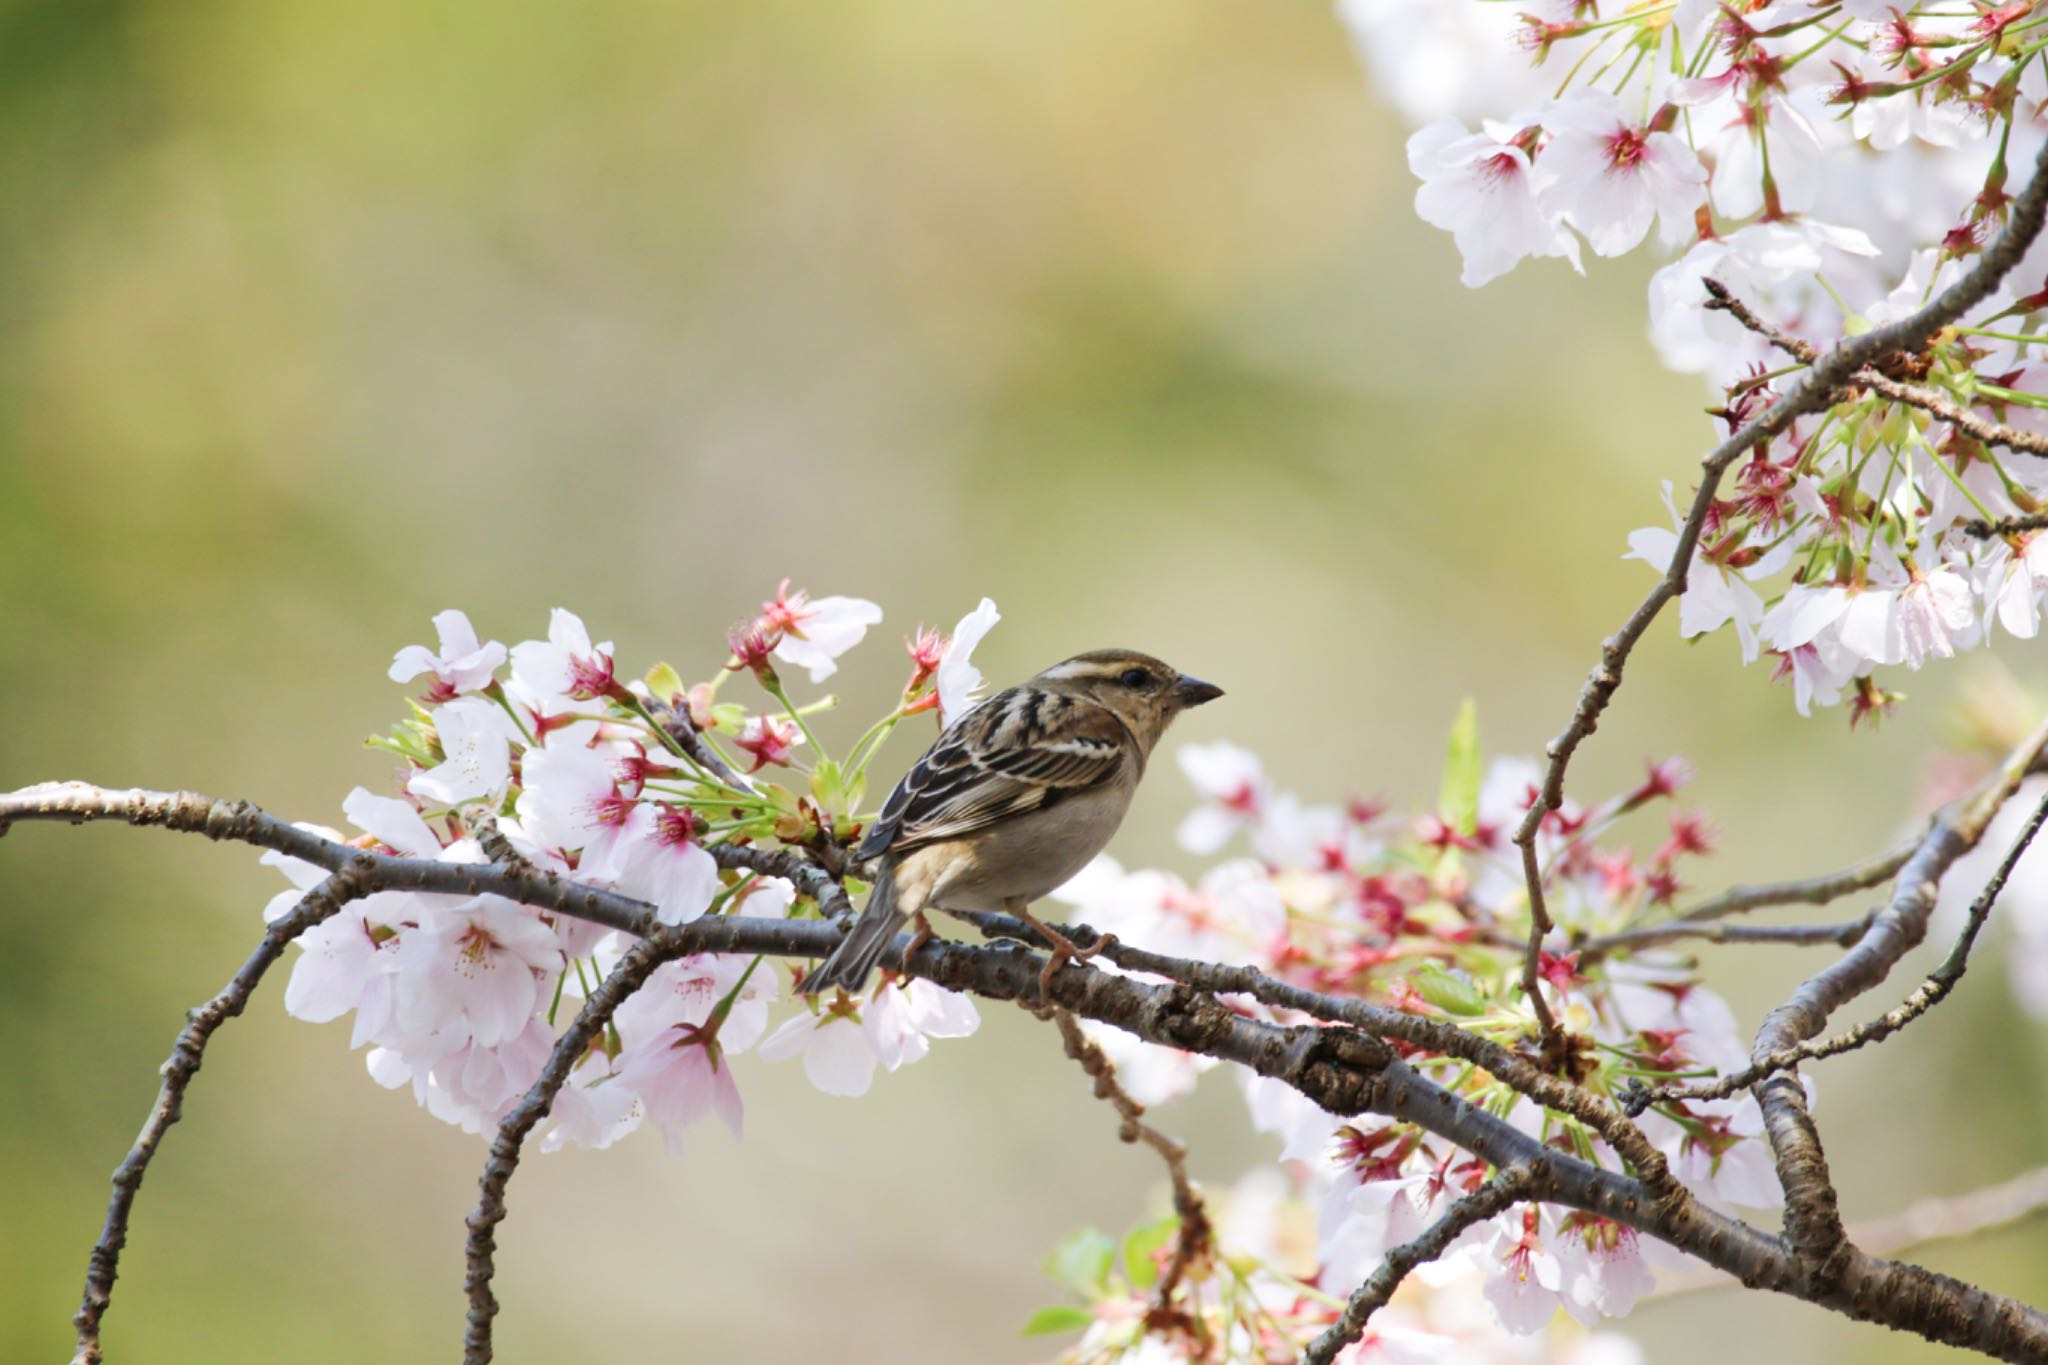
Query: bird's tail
864	944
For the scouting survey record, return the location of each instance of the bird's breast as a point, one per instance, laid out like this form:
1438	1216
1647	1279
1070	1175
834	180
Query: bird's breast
1031	854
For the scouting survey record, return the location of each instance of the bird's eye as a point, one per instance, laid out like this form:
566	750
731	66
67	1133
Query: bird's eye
1134	678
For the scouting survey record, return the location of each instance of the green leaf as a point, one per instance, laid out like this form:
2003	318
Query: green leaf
1048	1321
666	684
1139	1248
1081	1263
1451	994
1458	803
828	787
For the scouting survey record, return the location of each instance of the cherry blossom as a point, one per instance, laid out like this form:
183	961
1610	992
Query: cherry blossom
1234	790
1481	189
476	738
957	679
567	664
656	857
463	664
1611	178
476	969
902	1017
814	633
838	1058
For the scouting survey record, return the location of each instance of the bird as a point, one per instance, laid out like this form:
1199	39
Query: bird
1014	798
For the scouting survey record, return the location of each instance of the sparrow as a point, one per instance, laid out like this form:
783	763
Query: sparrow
1015	798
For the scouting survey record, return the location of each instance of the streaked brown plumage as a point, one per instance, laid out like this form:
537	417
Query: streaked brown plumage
1014	798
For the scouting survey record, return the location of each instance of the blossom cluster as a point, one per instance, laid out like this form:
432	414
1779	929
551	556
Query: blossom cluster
461	998
540	753
1833	166
1427	915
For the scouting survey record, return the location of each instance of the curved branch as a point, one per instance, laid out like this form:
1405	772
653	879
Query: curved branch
1495	1196
1195	1237
1816	389
345	885
479	1255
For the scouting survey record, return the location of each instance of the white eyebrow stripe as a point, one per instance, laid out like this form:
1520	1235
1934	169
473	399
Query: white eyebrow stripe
1073	668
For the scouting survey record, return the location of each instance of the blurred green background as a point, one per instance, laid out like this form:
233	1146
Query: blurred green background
319	318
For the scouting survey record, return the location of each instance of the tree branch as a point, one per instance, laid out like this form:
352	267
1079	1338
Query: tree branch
574	1044
335	891
1654	935
1195	1238
1931	992
1495	1196
1340	1068
1812	1222
1815	390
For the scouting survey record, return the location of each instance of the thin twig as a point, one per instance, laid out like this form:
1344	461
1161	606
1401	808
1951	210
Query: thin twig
1955	414
1815	390
102	1266
2004	526
1494	1197
1653	935
1194	1240
574	1044
675	721
1931	992
1808	891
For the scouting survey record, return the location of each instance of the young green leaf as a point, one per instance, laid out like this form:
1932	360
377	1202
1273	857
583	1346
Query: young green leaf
1458	802
1081	1263
1064	1318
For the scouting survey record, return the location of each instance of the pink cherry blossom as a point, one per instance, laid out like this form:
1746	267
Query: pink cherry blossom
769	740
1524	1277
838	1058
1611	178
656	858
813	634
463	665
1233	787
570	800
958	681
902	1017
474	970
1480	188
566	664
476	739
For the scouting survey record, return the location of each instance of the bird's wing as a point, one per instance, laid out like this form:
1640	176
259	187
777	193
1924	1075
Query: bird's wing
1019	751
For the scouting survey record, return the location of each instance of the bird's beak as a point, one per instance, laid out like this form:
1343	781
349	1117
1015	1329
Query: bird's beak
1193	691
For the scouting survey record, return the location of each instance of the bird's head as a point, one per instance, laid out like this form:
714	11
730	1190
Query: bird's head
1143	692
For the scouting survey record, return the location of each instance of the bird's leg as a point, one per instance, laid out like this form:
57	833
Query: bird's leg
919	936
1063	948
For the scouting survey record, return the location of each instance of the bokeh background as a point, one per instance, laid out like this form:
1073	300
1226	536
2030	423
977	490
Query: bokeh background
321	317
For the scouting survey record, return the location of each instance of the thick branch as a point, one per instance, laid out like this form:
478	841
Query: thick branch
1494	1197
1816	389
189	1051
1341	1069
